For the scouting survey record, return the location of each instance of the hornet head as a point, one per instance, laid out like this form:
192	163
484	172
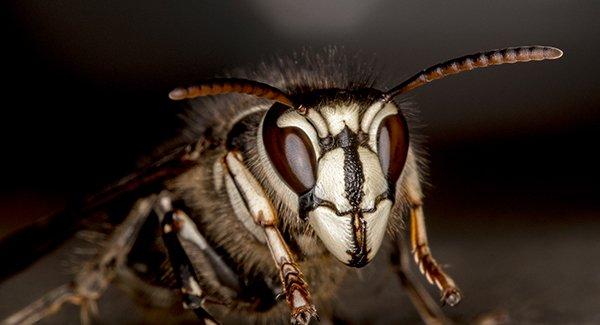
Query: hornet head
342	154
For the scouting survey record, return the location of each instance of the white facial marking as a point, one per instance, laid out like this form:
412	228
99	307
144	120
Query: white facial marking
330	184
376	226
388	110
369	115
375	182
340	116
293	119
319	122
334	231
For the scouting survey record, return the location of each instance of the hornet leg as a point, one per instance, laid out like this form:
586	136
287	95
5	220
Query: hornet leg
420	245
91	282
174	223
295	287
425	305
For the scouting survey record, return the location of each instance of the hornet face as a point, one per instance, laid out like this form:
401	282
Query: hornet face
342	157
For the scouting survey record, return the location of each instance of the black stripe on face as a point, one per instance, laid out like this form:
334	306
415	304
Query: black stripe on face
359	253
354	177
354	180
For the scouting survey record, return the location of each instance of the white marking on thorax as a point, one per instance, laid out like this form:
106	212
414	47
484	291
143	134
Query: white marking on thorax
247	112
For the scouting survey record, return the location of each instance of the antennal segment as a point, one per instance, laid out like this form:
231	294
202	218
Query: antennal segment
232	85
470	62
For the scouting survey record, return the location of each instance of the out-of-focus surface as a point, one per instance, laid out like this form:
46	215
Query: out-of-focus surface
514	202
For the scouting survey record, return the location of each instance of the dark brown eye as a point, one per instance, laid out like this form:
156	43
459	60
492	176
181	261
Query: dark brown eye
290	151
392	145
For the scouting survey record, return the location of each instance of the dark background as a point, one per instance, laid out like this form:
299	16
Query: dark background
513	204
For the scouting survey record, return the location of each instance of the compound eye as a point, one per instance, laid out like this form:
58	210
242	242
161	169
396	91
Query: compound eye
290	151
392	145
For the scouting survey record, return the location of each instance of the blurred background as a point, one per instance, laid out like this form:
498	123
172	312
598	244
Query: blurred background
513	205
